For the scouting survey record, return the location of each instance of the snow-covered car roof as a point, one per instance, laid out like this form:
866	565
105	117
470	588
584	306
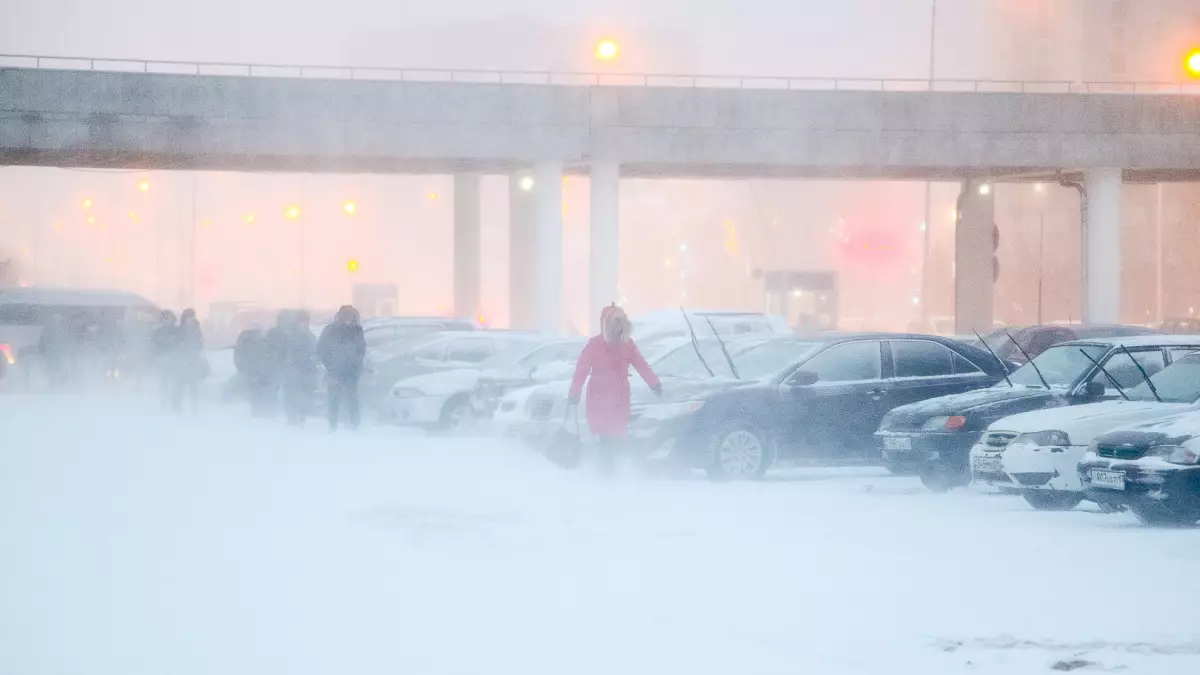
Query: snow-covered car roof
83	297
1139	341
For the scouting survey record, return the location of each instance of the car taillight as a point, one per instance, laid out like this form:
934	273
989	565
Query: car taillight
955	422
6	351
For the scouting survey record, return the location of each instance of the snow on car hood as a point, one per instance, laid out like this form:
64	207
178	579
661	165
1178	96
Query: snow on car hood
444	382
1084	422
980	398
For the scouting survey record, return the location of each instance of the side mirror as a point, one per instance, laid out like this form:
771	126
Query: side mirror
1094	389
803	378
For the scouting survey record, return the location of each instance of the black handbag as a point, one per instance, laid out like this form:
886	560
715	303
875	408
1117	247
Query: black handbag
565	449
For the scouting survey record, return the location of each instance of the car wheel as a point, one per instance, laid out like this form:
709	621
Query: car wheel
940	478
1159	515
458	415
740	451
1110	507
1053	501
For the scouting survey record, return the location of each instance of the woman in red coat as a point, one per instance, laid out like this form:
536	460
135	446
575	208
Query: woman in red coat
607	358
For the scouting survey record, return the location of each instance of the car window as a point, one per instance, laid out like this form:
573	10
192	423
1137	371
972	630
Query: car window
921	358
1061	365
770	357
683	362
433	352
1178	384
1123	369
964	367
470	350
552	353
1178	353
847	362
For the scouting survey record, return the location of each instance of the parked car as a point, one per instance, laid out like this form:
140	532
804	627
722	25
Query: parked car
428	353
388	329
823	403
1153	469
447	399
534	413
1045	447
670	323
1181	326
1036	339
934	438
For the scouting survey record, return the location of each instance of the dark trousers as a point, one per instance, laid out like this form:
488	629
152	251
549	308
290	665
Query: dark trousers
343	387
262	396
297	397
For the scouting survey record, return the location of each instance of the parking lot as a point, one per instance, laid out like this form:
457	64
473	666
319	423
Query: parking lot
135	543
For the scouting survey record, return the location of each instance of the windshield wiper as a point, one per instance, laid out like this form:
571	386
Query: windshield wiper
1106	374
1003	367
1153	389
728	358
1028	359
696	343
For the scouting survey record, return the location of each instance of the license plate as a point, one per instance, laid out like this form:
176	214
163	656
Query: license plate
987	464
1112	480
897	443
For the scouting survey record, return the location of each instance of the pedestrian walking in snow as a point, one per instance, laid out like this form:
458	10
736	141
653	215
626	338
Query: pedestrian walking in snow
190	364
254	364
56	348
298	368
604	365
342	349
164	343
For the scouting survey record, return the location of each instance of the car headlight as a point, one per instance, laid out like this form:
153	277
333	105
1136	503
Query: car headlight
1175	454
666	411
1045	438
944	423
404	392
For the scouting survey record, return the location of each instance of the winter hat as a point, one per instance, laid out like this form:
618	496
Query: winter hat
614	324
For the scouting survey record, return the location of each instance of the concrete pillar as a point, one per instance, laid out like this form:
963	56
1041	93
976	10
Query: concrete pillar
520	250
974	248
1102	247
605	262
548	244
466	245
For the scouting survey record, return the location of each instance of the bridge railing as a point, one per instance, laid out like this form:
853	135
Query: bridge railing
591	79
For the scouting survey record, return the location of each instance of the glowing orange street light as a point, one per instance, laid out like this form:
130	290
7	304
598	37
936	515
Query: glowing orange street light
91	220
1192	63
87	203
144	186
607	50
350	208
293	213
352	265
249	219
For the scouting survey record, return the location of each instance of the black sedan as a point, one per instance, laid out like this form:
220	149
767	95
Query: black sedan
934	438
1152	469
823	402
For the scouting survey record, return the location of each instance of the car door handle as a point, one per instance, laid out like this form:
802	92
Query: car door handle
877	392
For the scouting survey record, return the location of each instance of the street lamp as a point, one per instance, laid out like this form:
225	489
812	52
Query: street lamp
526	183
144	186
350	208
293	213
607	50
1192	63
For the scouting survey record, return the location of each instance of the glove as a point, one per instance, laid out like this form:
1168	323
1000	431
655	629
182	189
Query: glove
657	389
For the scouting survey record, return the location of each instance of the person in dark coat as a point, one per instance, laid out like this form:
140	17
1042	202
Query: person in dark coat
55	352
342	349
190	364
164	343
604	365
298	368
258	372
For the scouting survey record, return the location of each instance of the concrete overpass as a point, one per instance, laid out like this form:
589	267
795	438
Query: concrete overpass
88	118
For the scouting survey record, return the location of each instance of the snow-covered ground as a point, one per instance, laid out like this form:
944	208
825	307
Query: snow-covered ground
137	544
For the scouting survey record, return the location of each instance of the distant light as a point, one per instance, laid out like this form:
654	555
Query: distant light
249	218
916	300
433	196
1039	187
526	183
668	263
607	50
350	208
293	213
144	186
683	294
58	227
1193	63
683	248
87	203
955	215
923	226
206	223
352	265
985	189
682	274
133	216
91	220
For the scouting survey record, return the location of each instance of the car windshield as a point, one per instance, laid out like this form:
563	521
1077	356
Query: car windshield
770	357
545	355
1061	365
509	353
1180	383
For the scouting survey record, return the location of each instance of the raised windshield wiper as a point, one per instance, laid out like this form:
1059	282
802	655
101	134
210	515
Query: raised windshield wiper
1153	389
1106	374
728	358
696	344
1003	366
1028	359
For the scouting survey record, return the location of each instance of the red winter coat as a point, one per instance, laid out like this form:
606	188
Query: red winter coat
608	387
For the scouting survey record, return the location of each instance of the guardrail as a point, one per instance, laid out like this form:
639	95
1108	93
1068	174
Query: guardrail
590	79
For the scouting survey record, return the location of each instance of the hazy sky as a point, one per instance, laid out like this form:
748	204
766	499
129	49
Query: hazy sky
801	37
